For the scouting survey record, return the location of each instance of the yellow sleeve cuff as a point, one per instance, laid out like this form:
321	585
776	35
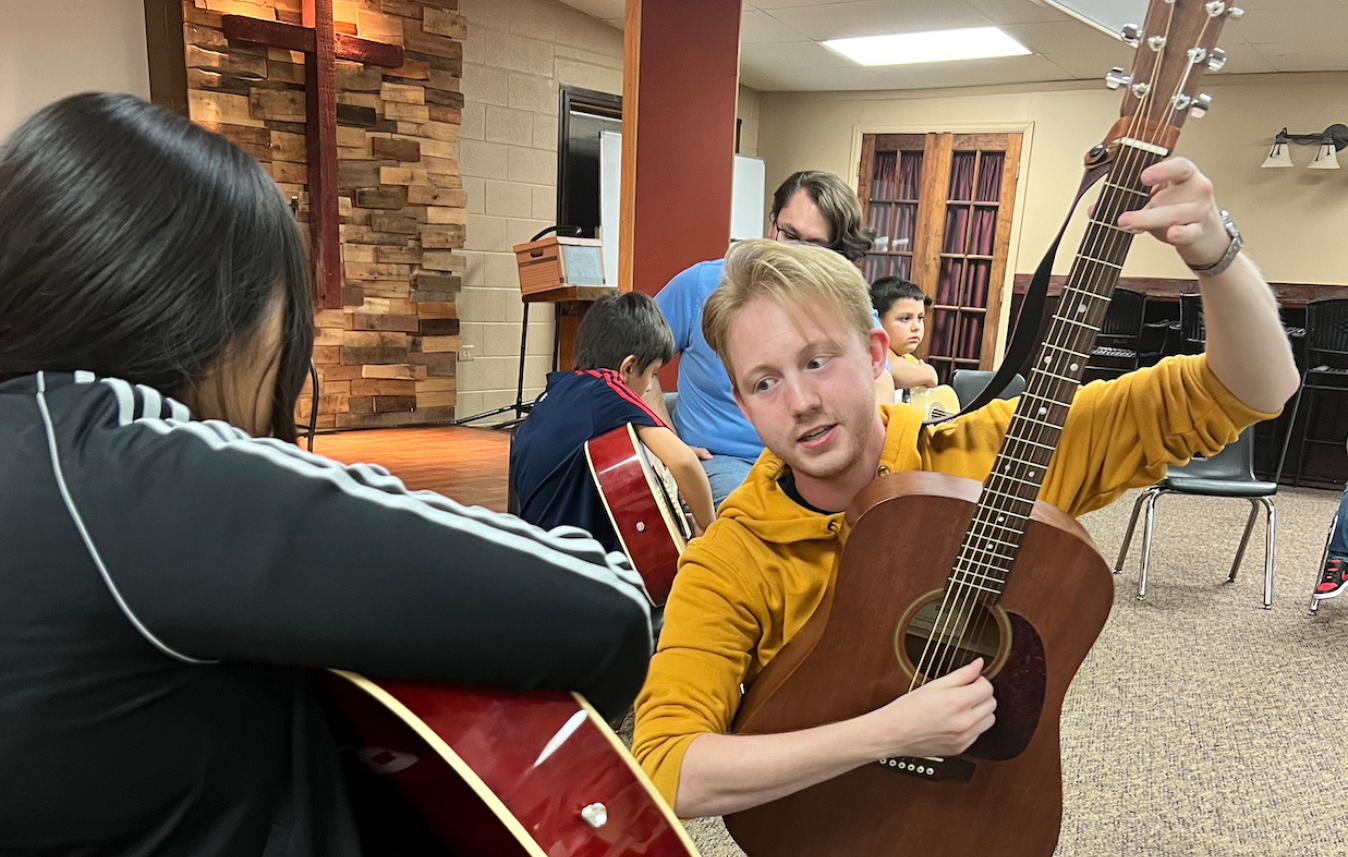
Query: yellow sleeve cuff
1239	413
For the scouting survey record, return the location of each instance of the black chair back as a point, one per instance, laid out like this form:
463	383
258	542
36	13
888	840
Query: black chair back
968	383
1125	316
1192	331
1327	332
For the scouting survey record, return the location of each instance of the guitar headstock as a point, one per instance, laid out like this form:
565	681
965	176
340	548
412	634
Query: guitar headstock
1175	47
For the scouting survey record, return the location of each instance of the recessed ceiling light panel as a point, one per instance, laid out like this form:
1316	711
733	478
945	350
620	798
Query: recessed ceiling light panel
932	46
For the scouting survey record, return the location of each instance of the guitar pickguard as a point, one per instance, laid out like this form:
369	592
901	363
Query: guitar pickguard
1014	661
1019	690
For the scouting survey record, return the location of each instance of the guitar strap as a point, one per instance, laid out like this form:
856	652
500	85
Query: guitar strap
1036	298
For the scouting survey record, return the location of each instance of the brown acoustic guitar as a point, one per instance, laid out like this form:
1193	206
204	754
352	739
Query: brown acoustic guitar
939	570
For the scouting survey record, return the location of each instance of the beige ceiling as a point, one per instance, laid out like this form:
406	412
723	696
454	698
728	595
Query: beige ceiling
780	51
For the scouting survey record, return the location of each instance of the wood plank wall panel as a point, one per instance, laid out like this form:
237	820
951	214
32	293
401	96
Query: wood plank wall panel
388	357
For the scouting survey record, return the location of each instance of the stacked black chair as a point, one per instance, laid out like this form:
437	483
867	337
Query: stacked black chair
1119	347
1325	373
1193	334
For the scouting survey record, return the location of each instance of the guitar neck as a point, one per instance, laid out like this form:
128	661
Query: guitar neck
1174	46
1008	496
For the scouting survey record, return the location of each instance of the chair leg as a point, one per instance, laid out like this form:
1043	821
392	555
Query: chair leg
1270	549
1148	526
1324	557
1305	438
1244	540
1287	436
1128	536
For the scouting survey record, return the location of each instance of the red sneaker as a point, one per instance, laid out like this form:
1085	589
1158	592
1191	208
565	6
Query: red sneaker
1334	579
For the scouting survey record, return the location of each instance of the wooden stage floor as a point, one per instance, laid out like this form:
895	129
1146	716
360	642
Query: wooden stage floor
465	464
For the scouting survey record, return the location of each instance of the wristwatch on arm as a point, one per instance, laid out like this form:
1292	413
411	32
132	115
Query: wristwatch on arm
1231	252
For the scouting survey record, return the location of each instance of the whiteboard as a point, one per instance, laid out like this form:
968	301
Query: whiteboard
610	199
746	199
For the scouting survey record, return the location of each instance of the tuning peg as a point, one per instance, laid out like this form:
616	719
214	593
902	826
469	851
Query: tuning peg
1217	7
1217	59
1156	43
1200	106
1130	34
1117	78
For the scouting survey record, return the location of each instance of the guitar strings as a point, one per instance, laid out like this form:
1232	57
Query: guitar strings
1037	436
1131	157
985	558
963	588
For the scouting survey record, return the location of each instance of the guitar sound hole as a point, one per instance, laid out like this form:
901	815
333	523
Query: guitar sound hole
938	641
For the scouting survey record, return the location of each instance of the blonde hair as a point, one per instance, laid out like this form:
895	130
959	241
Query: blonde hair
792	275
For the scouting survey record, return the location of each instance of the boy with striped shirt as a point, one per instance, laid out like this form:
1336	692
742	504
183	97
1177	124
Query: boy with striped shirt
622	342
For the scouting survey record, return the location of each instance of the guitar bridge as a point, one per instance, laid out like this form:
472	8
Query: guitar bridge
934	768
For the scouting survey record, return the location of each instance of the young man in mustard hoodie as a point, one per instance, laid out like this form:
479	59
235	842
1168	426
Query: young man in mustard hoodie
793	327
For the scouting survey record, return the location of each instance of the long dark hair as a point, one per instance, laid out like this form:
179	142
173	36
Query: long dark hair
838	204
137	245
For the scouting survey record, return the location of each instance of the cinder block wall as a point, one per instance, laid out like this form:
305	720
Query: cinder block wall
516	55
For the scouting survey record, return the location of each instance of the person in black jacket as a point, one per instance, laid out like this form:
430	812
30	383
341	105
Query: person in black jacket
172	566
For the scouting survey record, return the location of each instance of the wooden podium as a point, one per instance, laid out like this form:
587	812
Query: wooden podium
568	273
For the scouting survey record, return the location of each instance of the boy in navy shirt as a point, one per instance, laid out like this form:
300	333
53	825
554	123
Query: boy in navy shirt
622	342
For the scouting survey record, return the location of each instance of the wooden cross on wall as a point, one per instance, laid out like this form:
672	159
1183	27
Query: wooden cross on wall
322	47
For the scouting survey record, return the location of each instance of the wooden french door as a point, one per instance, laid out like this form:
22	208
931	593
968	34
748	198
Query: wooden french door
941	205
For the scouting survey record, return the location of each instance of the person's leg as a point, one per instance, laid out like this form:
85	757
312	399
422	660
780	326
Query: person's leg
1334	576
1338	544
725	473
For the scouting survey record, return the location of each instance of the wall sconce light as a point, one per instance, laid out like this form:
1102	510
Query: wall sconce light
1330	141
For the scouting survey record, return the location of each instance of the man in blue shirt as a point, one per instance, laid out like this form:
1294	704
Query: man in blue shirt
810	207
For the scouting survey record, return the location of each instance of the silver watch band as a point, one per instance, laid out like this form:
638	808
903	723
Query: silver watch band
1232	250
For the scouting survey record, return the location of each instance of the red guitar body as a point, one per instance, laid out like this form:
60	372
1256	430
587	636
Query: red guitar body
643	506
496	775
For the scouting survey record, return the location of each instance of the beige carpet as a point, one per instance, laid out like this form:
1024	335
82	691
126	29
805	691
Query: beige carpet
1202	724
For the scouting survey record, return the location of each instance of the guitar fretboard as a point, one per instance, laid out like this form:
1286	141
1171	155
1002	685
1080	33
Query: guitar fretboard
993	539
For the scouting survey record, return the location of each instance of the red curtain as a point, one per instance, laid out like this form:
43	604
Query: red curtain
962	176
910	175
982	238
897	176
